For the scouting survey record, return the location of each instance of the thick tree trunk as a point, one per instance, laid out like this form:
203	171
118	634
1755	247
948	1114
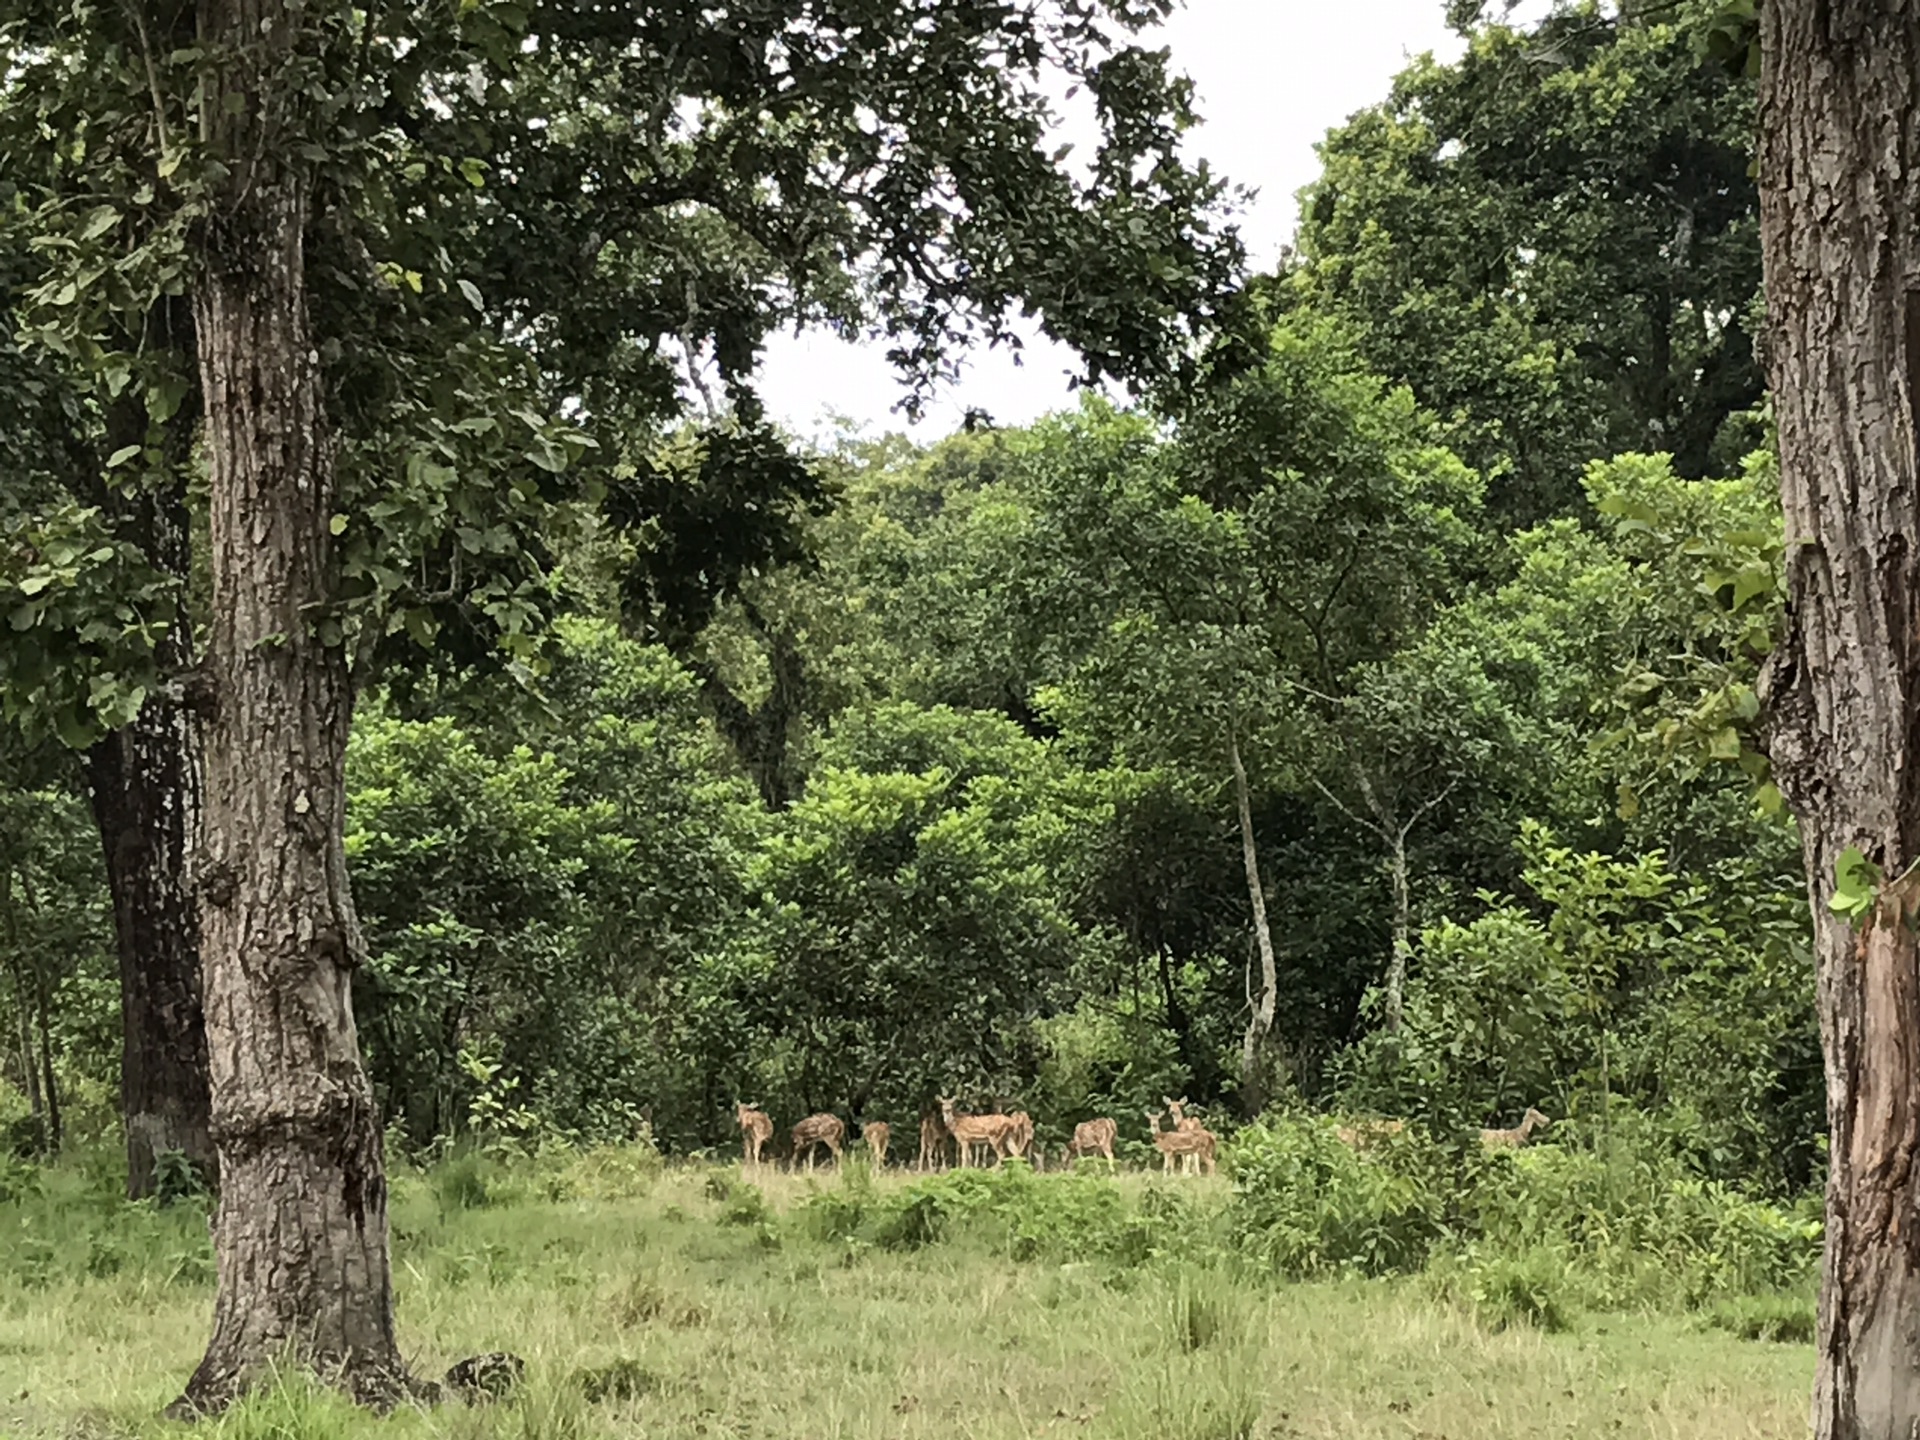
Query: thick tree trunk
1840	142
301	1233
1253	1059
144	785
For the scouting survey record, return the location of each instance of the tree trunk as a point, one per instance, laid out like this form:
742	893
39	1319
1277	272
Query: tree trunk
29	1067
301	1233
1840	130
1179	1021
1402	957
1253	1079
143	783
31	1001
761	736
48	1082
144	786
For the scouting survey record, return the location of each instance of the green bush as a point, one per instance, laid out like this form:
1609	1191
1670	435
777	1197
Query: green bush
1640	1228
1628	1223
1009	1208
460	1183
1790	1319
1531	1289
1306	1204
740	1203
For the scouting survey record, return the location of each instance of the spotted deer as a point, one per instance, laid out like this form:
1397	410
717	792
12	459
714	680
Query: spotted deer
971	1130
1178	1109
1194	1147
877	1134
1020	1134
1094	1137
1513	1139
816	1130
756	1129
1363	1133
933	1143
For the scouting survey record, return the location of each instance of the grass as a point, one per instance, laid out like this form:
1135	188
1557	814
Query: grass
667	1305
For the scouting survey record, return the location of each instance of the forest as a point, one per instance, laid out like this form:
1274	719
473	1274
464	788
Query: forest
1364	705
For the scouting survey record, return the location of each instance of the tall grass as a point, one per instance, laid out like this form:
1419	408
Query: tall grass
648	1300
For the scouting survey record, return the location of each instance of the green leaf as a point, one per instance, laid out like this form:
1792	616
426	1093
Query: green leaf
337	525
103	219
422	627
34	584
472	292
121	456
1754	580
76	731
1856	878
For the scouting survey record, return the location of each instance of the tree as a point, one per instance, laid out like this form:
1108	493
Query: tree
322	178
98	662
1552	241
913	919
1838	103
1301	527
1410	735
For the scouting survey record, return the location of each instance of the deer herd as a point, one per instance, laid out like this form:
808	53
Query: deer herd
974	1137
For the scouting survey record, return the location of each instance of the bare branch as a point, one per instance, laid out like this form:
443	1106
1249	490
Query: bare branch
1362	821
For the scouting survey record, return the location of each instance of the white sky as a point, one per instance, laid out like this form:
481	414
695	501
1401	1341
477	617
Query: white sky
1273	76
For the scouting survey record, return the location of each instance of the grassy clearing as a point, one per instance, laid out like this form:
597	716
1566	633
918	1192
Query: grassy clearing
673	1304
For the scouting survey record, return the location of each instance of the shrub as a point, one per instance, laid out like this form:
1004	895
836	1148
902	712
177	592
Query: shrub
612	1172
177	1179
461	1183
1527	1289
1791	1319
1065	1216
1624	1220
1306	1204
1204	1311
740	1203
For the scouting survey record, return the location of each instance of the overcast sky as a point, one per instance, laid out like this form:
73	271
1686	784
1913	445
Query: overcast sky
1272	75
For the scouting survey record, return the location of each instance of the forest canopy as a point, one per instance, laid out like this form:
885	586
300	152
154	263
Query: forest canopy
444	711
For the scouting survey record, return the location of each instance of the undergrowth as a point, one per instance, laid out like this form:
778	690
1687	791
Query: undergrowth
1531	1236
649	1299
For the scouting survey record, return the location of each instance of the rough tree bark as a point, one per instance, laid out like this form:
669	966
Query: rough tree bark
144	786
1253	1078
1840	187
301	1233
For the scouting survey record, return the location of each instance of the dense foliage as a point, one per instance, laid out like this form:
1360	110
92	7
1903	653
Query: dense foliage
1469	574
